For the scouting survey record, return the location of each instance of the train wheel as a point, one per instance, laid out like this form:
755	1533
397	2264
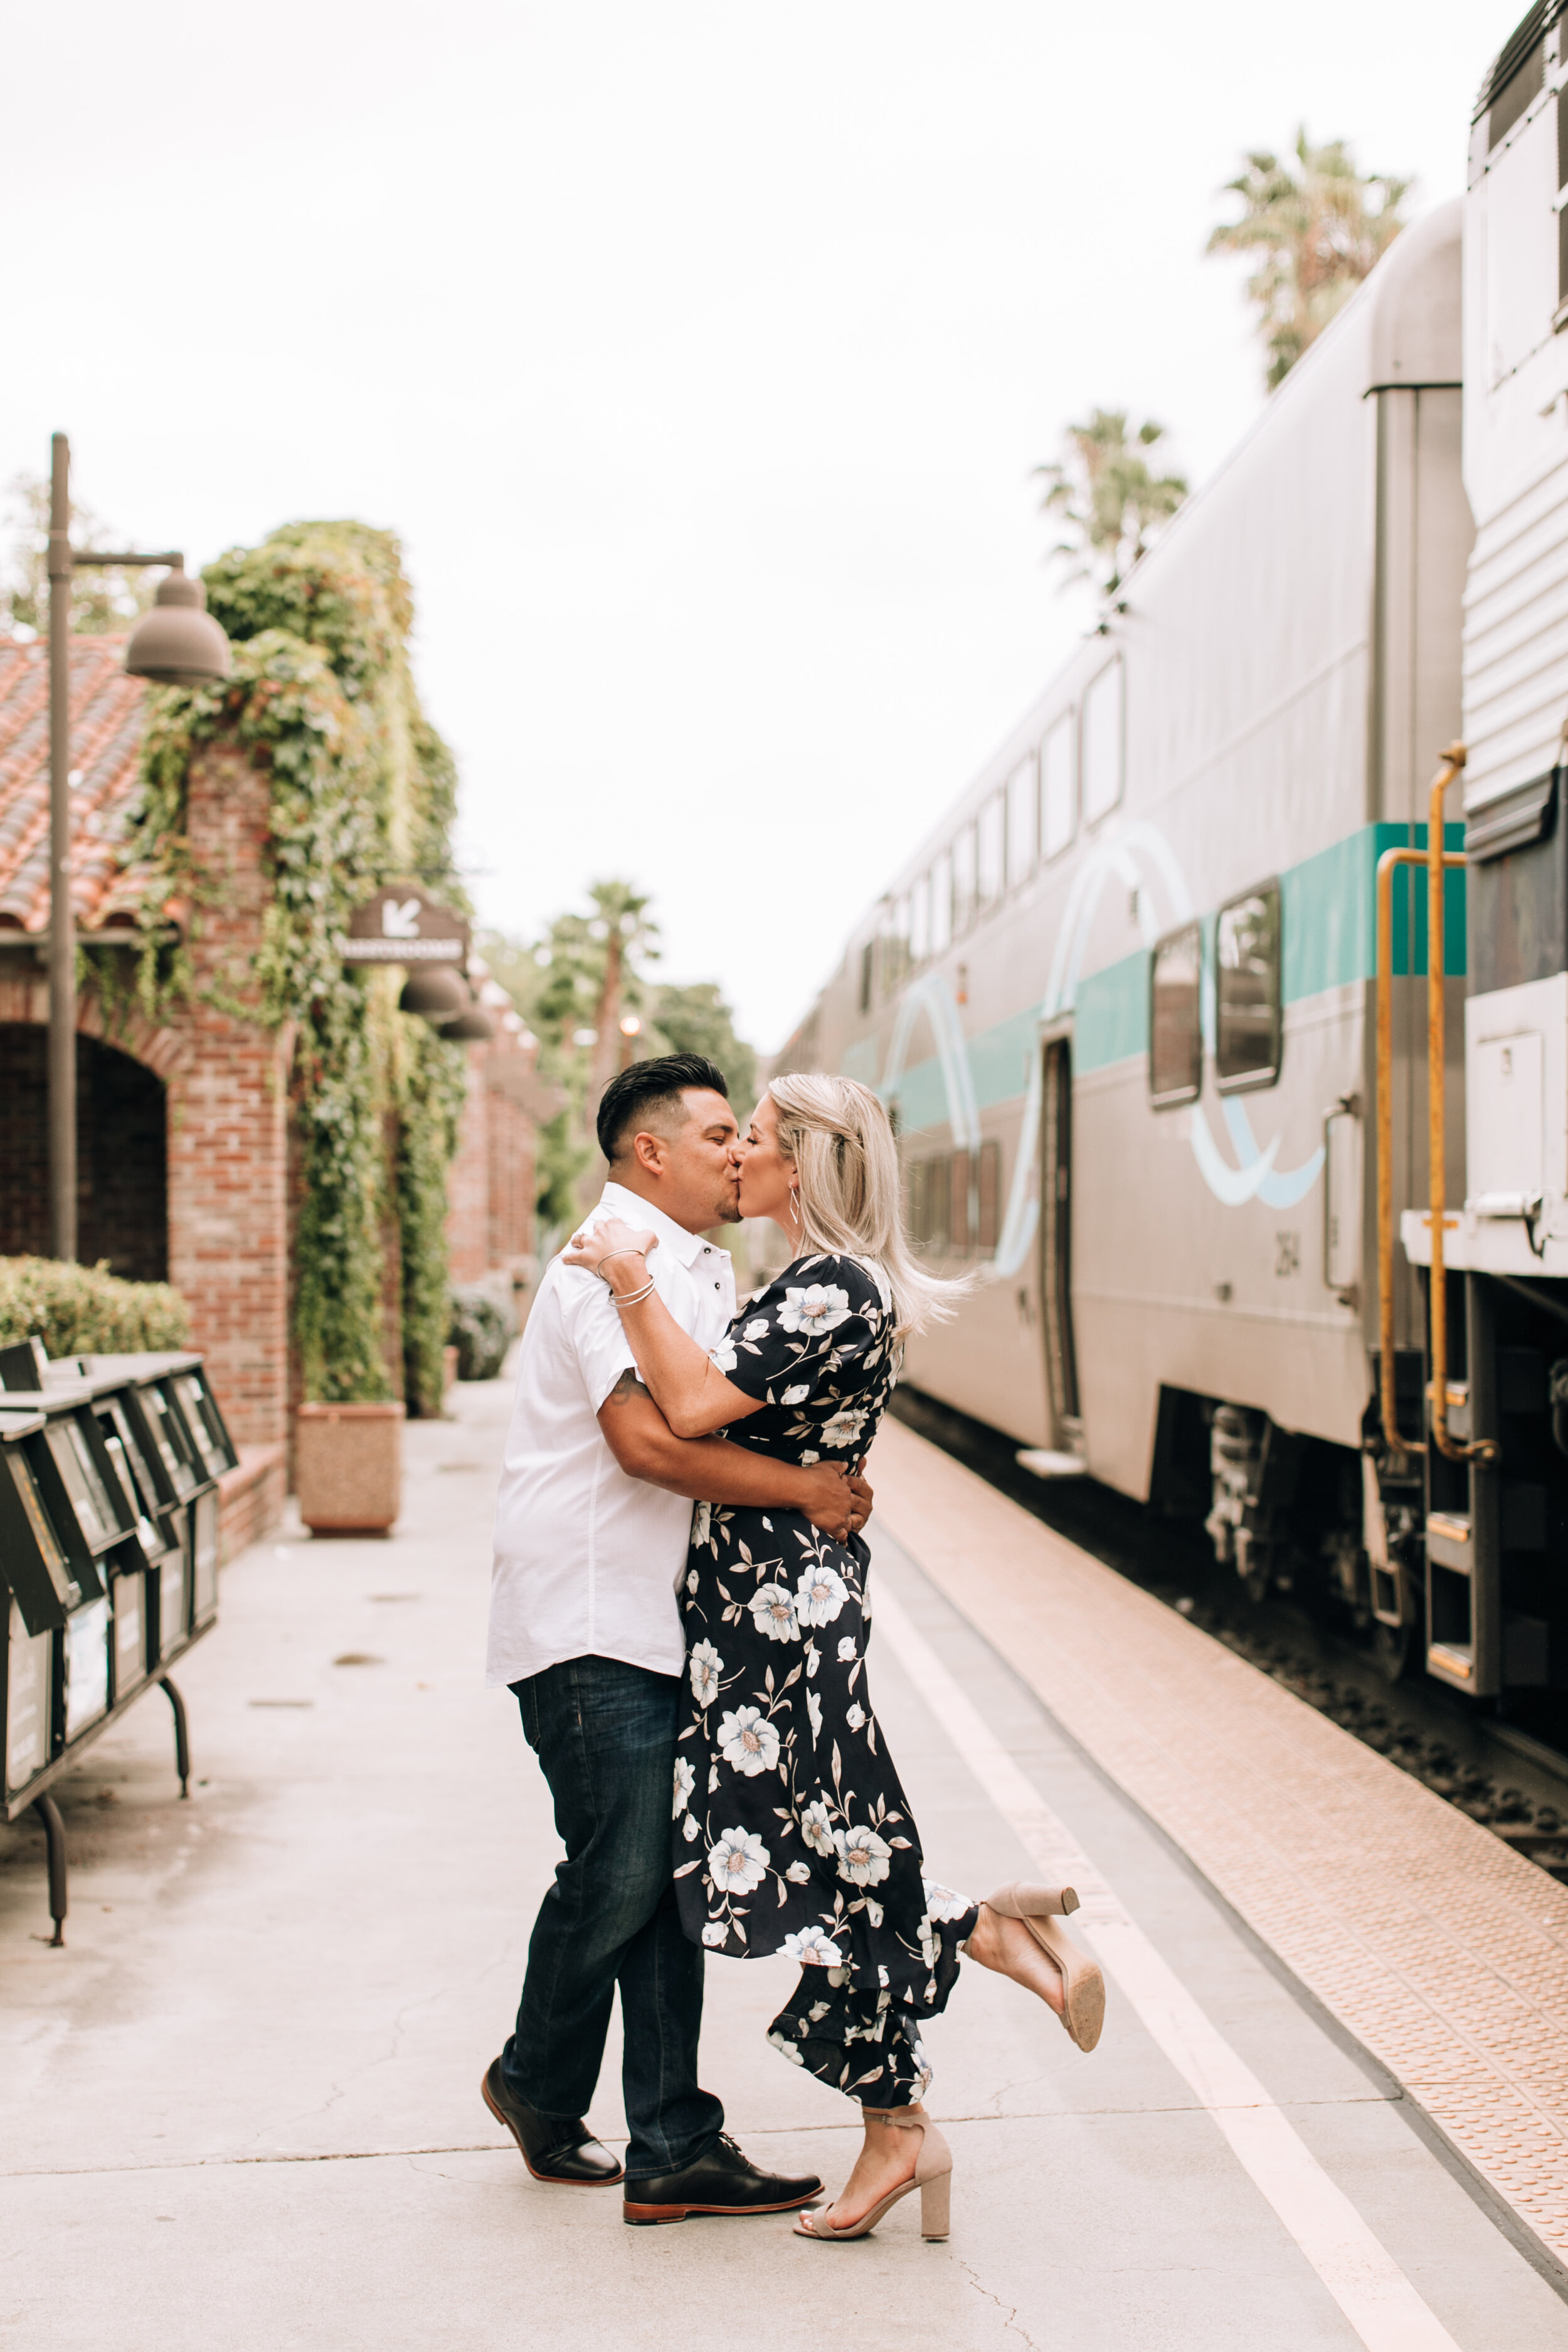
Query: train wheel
1391	1649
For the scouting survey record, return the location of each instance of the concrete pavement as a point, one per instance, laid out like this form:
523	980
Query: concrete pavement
241	2108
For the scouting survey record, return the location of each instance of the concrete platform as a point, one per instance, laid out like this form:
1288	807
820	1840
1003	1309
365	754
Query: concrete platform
241	2107
1444	1953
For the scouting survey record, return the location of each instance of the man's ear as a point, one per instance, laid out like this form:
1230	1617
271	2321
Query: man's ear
650	1151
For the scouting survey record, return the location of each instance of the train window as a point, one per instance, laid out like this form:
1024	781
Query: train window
894	931
942	904
1247	1019
1101	747
1058	787
1175	1018
988	1199
958	1212
1023	810
867	961
938	1172
963	880
919	920
991	850
915	1199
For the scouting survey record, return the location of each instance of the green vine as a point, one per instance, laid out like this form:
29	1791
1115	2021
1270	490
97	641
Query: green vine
435	1080
362	792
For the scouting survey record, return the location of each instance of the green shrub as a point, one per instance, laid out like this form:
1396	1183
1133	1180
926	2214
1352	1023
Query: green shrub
80	1310
480	1332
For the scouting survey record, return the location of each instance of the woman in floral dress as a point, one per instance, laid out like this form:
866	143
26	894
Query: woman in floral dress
793	1833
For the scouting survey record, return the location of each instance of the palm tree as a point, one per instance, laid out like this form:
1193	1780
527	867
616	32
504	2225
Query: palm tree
101	600
1106	496
1316	228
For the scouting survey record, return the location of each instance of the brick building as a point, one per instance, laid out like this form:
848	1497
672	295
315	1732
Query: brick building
185	1153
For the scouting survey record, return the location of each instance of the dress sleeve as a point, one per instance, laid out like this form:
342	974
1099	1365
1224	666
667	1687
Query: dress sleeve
811	1339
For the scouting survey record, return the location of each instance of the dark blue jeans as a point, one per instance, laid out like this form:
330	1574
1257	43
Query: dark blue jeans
604	1733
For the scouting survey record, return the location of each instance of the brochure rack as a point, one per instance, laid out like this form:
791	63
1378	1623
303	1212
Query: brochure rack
108	1474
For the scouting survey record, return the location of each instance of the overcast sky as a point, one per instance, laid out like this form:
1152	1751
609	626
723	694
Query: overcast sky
699	353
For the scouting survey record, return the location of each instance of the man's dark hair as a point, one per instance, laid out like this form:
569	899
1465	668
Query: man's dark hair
650	1089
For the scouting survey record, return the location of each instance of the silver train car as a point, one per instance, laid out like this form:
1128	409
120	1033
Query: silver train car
1135	1002
1496	1539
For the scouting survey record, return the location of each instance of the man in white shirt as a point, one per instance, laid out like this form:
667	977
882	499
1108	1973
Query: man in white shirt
592	1521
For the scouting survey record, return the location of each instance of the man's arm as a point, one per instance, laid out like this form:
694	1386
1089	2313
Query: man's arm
711	1470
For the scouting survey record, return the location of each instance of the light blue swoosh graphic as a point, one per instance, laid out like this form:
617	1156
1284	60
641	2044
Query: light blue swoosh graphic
1231	1185
1136	853
1291	1184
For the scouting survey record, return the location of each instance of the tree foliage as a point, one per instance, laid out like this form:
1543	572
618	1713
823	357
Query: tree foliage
361	788
1313	230
573	986
696	1020
101	601
1108	497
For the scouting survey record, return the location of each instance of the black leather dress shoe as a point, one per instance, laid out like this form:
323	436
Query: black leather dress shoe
555	2148
721	2182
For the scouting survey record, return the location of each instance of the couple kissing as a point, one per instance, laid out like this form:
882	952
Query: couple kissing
693	1681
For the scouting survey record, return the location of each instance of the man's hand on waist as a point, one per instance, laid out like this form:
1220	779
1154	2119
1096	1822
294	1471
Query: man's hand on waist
833	1499
710	1469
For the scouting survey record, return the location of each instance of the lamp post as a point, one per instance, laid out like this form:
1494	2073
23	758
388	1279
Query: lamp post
177	643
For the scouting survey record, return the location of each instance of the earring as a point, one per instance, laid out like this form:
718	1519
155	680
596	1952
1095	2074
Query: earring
795	1210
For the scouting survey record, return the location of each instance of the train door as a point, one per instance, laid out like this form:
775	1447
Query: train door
1056	1242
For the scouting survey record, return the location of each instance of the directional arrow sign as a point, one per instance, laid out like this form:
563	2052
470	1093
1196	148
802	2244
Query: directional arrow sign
402	924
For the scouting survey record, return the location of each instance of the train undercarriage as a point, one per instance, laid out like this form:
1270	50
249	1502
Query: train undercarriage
1438	1565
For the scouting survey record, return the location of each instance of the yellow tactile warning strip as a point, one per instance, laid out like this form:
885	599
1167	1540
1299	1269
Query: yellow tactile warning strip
1445	1954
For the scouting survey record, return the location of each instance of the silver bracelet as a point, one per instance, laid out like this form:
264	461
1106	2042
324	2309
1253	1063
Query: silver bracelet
634	1297
620	1253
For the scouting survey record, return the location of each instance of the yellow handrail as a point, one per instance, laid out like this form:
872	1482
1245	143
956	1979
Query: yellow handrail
1436	860
1399	1447
1482	1449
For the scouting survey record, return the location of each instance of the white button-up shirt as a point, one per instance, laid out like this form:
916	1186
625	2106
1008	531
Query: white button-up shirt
587	1560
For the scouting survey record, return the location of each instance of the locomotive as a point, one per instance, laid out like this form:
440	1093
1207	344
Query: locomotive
1224	1018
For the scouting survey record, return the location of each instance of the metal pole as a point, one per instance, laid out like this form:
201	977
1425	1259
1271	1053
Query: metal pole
62	926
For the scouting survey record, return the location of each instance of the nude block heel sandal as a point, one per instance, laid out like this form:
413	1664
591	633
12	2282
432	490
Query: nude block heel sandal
1083	1986
932	2178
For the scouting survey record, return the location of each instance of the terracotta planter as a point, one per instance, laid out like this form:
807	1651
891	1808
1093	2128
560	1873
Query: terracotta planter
348	1467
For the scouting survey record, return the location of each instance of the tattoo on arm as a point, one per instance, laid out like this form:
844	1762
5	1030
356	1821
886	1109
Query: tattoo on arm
628	1385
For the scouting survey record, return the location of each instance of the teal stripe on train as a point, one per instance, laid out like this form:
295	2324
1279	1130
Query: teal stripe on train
1329	921
1329	913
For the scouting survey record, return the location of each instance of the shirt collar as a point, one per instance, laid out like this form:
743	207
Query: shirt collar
633	1210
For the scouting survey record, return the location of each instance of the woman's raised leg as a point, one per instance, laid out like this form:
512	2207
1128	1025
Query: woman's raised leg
1019	1932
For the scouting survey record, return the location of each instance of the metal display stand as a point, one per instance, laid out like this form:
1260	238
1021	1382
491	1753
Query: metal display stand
108	1476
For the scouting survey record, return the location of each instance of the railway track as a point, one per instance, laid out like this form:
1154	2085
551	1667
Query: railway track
1513	1784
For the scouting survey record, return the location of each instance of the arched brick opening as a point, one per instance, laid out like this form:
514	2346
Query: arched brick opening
122	1185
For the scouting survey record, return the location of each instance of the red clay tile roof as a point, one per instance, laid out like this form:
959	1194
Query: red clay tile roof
106	736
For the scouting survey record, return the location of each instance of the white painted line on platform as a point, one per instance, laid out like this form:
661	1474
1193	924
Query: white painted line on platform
1365	2280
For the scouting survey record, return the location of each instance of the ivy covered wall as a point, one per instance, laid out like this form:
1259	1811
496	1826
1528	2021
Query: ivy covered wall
362	792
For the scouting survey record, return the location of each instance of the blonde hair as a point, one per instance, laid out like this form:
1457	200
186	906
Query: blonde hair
838	1136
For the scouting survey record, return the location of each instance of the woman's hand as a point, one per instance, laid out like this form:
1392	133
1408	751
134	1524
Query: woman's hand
590	1249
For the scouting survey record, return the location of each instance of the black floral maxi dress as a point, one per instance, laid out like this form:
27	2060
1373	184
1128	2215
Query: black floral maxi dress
791	1832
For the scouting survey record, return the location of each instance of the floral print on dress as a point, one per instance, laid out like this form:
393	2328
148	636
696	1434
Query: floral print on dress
791	1832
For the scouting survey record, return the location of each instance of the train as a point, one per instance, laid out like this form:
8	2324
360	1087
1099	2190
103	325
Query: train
1153	1009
